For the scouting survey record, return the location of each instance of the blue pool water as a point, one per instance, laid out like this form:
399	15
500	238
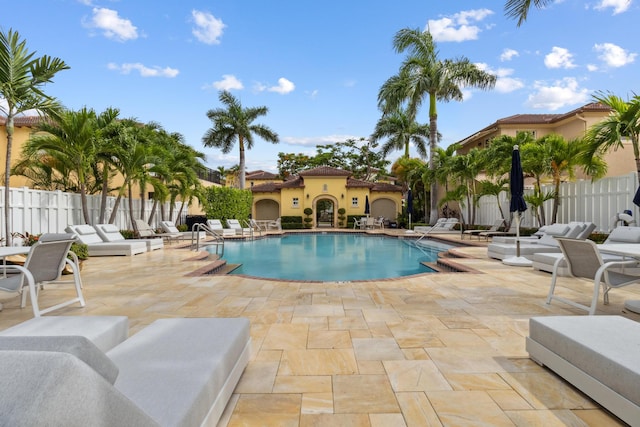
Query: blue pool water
330	257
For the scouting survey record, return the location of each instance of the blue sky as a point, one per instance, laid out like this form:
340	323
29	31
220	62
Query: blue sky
318	66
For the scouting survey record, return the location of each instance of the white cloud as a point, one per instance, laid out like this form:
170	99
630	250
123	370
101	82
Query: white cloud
284	86
508	55
144	70
558	95
619	6
312	141
504	82
613	55
228	82
592	67
208	29
112	25
312	94
458	27
559	58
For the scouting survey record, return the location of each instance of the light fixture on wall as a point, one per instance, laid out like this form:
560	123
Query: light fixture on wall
342	196
307	196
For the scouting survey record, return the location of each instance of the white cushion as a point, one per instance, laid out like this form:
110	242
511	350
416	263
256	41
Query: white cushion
85	230
557	229
624	235
109	228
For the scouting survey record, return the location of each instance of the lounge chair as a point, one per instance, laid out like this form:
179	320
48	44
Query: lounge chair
619	235
44	264
169	227
512	231
442	225
275	225
546	243
585	262
253	224
111	233
235	225
215	225
495	227
98	247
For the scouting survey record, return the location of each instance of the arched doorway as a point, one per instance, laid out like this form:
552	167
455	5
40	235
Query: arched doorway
325	213
266	209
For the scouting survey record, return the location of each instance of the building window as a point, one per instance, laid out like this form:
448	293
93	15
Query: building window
295	202
325	188
354	202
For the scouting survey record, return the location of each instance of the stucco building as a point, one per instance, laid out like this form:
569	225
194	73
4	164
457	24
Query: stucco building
324	190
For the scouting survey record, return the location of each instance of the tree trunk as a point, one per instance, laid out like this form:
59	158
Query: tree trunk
7	177
433	144
153	210
83	200
105	190
131	213
241	164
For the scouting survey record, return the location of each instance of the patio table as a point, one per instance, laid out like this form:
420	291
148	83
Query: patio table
625	250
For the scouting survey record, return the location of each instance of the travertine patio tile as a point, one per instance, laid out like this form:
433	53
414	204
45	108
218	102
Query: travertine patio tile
377	349
323	420
477	410
363	394
329	339
258	377
317	403
286	337
302	384
318	362
386	420
417	409
415	375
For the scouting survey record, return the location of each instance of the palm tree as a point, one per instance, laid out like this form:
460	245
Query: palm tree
236	124
519	9
401	131
491	188
22	77
623	122
71	135
423	75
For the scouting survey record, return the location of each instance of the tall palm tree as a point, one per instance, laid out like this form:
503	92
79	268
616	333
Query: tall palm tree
22	78
401	131
235	123
623	122
424	76
71	135
519	9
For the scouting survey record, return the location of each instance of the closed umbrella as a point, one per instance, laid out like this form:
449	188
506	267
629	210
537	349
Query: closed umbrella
367	210
409	206
636	198
517	204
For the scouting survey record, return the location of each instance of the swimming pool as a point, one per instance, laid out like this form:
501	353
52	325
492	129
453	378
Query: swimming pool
328	257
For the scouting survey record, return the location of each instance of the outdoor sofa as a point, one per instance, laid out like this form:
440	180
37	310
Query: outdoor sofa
596	354
98	247
174	372
546	243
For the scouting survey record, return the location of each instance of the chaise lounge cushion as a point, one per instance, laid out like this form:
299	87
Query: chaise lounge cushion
179	371
57	389
77	346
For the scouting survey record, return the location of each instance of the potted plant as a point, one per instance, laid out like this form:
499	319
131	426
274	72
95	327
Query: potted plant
341	216
308	221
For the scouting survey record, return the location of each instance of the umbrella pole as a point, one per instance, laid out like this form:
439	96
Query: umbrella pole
518	235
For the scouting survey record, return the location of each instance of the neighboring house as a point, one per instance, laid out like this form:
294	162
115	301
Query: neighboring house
335	188
570	125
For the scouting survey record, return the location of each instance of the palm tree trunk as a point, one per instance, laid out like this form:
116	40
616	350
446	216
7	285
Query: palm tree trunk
7	177
433	144
131	214
241	164
153	210
105	190
83	200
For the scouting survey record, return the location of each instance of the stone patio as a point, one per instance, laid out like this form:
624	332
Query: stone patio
441	349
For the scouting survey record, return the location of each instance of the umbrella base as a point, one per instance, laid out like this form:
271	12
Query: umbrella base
632	305
517	261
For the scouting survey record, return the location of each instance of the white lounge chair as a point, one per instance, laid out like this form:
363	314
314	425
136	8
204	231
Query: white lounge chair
44	264
98	247
275	225
485	233
111	233
584	261
235	225
216	226
169	227
442	225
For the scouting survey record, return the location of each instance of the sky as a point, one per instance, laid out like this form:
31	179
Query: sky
318	66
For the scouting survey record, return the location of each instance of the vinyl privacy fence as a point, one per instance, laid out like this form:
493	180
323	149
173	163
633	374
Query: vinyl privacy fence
583	200
38	211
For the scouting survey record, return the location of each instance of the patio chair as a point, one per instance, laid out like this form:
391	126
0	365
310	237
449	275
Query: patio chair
497	224
44	264
253	224
235	225
169	227
277	224
584	261
111	233
216	226
512	231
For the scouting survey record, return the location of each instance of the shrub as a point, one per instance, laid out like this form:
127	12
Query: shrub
80	249
128	234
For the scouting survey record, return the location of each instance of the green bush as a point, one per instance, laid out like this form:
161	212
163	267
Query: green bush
291	222
224	203
128	234
80	249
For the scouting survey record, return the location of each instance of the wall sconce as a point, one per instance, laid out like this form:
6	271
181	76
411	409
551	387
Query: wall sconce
307	196
342	196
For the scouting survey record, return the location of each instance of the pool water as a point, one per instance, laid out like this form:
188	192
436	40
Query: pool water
330	257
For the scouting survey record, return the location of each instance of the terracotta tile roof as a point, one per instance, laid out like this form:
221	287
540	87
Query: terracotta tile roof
386	187
260	175
297	182
269	187
27	121
357	183
325	171
540	119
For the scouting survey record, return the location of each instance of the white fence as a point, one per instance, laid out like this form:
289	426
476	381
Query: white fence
597	202
37	211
